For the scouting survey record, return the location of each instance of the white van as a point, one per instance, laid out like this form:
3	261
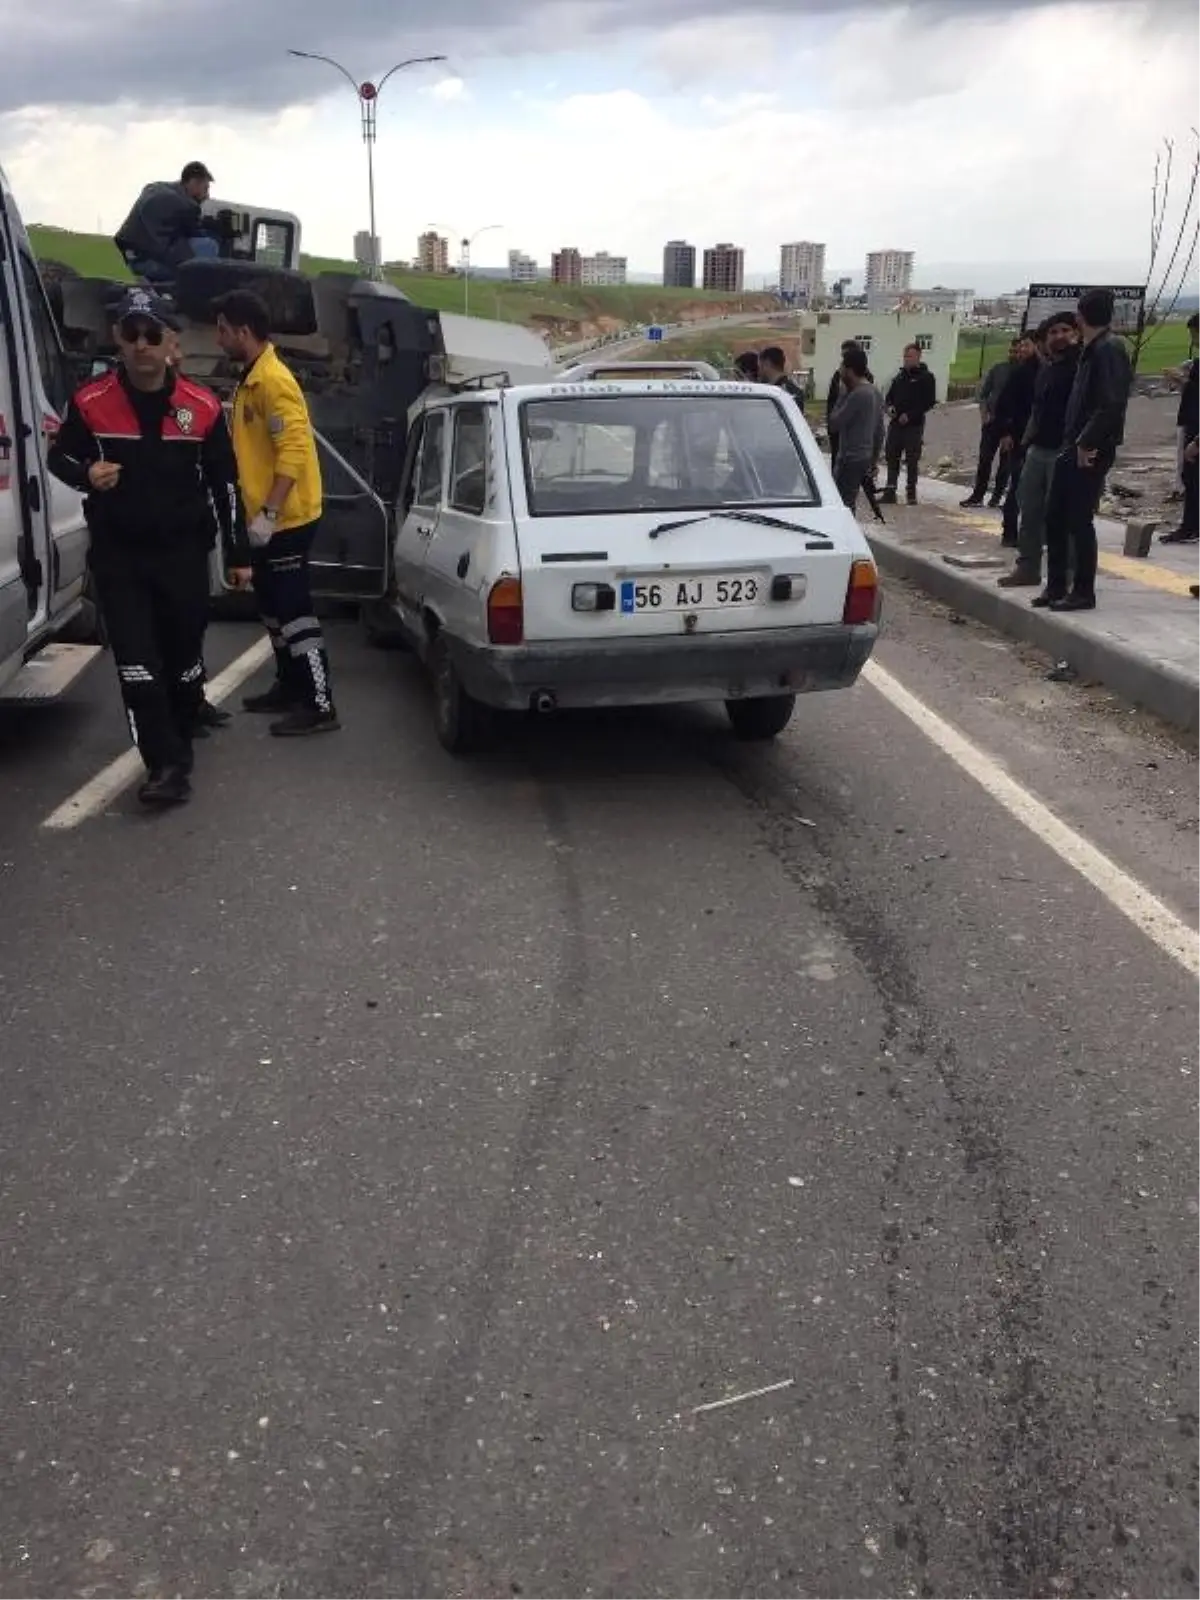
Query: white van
572	544
43	536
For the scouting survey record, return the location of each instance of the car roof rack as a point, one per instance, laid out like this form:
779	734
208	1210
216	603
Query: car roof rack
481	380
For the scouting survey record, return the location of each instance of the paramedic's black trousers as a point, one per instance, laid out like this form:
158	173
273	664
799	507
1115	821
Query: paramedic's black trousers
282	584
155	605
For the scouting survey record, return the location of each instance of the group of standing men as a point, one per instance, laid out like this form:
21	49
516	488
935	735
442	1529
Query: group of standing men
1054	415
164	477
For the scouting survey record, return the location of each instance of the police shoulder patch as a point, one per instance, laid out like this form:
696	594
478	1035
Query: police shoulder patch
275	425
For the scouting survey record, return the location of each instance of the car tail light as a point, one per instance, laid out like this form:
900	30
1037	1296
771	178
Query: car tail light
862	593
505	612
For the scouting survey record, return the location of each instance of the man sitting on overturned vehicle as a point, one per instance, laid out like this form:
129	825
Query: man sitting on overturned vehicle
166	226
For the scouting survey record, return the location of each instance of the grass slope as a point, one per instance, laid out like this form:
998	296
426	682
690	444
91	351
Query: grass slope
542	303
978	349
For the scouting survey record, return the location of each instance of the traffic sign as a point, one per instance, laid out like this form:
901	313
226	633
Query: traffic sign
654	335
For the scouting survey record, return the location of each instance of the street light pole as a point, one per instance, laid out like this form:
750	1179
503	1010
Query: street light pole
464	246
367	94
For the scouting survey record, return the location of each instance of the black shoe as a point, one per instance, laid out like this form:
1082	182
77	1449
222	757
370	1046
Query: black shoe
277	698
971	501
911	497
1180	536
210	716
995	504
1074	602
1010	544
888	497
1046	598
1016	579
303	720
170	787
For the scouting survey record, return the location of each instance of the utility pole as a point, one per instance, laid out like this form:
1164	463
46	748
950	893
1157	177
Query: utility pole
367	95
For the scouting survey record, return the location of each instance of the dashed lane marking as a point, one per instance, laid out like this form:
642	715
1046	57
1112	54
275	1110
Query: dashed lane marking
99	792
1132	899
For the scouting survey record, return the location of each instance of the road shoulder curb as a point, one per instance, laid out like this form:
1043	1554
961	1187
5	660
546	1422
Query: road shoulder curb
1154	685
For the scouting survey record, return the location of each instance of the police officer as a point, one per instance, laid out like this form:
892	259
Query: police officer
151	451
281	495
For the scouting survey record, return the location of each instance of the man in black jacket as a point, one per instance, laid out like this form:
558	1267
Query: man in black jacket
772	369
1094	427
1040	445
1013	411
911	396
166	226
1188	531
152	452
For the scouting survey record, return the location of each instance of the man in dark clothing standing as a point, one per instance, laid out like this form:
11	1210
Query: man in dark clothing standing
911	396
1041	443
166	226
1013	411
746	366
151	450
990	391
772	369
1094	427
856	422
1188	530
835	391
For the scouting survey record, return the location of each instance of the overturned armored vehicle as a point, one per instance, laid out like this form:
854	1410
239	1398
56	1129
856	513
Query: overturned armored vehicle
362	352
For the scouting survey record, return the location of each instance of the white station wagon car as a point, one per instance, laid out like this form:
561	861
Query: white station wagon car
566	545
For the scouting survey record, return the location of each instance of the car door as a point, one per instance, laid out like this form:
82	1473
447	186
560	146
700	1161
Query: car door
14	592
420	510
350	552
454	564
58	508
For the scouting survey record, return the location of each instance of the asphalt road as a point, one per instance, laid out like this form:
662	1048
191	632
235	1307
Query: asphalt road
395	1153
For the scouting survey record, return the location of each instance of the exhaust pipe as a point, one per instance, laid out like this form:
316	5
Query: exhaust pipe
542	701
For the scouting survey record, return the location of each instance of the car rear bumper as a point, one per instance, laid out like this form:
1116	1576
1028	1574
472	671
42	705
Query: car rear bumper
655	671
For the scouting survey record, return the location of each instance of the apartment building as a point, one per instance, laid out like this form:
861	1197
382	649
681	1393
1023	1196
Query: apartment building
802	270
521	268
566	265
679	264
368	251
725	268
433	253
603	269
889	270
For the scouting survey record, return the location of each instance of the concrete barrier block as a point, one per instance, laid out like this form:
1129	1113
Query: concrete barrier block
1139	532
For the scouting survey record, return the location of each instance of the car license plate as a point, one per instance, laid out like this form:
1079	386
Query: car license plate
679	593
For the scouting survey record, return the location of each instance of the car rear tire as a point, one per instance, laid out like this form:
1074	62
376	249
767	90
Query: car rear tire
462	724
760	719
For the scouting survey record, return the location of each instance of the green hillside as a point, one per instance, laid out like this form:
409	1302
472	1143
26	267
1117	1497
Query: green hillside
562	308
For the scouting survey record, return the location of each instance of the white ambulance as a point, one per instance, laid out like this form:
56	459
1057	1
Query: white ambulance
43	536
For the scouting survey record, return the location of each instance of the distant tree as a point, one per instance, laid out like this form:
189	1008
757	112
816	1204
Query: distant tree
1166	275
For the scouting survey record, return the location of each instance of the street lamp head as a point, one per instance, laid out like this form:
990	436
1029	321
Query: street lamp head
367	91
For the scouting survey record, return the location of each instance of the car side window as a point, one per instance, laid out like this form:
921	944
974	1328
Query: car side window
429	469
468	463
52	365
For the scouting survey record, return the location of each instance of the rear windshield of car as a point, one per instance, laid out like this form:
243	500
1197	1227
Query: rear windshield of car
599	454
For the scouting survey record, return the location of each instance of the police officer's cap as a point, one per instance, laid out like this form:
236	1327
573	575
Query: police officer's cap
151	307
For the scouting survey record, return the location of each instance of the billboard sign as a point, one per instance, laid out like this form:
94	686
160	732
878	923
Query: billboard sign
1047	298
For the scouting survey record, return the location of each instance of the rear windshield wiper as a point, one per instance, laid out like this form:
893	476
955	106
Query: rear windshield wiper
749	516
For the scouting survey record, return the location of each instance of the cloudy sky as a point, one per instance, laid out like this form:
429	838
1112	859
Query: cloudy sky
979	132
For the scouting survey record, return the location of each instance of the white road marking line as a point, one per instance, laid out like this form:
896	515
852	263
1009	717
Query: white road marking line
114	779
1145	910
737	1399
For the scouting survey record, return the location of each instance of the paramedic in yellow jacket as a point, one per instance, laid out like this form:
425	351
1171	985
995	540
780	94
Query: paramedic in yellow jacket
281	490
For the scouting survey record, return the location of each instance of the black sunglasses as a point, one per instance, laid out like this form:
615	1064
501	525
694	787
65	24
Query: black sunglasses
132	330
